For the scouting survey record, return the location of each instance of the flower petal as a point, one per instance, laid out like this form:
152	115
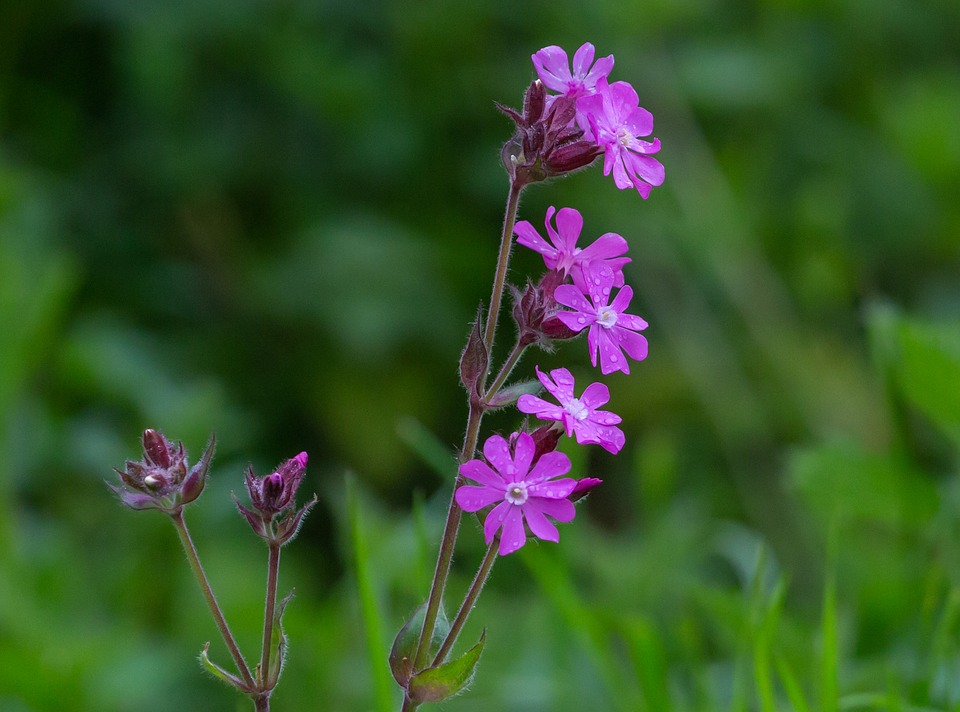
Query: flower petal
595	395
495	519
576	321
569	226
539	407
611	358
553	68
551	464
528	236
524	449
539	525
473	499
633	343
513	535
560	509
569	296
479	471
497	452
552	489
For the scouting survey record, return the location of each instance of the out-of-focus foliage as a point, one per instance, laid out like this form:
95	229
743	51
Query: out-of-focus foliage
274	220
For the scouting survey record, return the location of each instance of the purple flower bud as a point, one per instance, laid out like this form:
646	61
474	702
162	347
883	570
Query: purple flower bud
156	449
583	487
162	479
275	495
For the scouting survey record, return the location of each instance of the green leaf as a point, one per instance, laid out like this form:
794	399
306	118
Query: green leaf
509	395
404	648
218	672
278	642
443	681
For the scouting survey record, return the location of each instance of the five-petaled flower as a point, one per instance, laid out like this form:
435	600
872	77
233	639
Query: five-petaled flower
555	72
612	116
580	416
612	331
561	252
523	491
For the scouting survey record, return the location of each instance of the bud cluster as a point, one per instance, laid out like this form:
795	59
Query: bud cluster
162	479
273	516
547	142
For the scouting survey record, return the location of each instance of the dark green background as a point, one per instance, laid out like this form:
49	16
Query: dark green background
274	220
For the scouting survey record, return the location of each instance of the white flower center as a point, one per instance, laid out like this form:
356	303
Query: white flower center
577	409
516	493
606	317
624	137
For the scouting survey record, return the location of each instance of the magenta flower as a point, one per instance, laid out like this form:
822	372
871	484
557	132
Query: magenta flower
521	494
562	254
611	330
554	71
579	416
613	117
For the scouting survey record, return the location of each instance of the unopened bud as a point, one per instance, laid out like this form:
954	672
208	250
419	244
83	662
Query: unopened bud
156	448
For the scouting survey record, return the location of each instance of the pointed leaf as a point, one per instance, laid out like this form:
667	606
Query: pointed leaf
443	681
278	642
218	672
405	644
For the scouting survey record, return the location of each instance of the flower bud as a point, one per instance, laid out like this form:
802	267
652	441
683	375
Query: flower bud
583	487
162	480
274	495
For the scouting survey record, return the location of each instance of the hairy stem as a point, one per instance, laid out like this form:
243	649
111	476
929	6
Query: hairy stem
483	573
505	370
261	703
273	568
506	239
471	436
191	551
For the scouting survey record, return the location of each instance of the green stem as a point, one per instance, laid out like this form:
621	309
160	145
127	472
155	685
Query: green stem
506	240
472	434
483	573
505	370
273	568
191	551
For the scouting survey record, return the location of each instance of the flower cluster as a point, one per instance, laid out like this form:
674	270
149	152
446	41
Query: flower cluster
583	290
609	115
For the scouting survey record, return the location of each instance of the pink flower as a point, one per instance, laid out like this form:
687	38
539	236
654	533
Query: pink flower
554	71
611	330
613	117
562	254
521	494
579	416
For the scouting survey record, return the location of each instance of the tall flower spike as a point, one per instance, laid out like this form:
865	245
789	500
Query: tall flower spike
561	252
614	119
162	479
580	416
612	331
521	491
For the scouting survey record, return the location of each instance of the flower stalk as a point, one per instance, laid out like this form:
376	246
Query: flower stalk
221	622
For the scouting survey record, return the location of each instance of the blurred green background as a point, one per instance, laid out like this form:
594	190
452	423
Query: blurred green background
275	219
